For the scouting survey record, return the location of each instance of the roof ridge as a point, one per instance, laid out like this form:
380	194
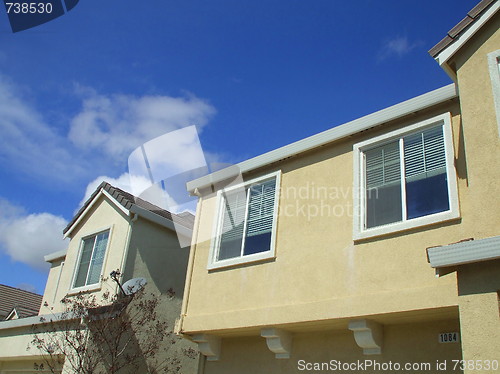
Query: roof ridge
20	289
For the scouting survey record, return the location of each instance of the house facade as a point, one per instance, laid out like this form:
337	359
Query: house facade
112	231
373	246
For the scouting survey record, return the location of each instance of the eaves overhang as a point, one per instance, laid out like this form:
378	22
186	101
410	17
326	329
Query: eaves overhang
51	257
464	252
461	33
380	117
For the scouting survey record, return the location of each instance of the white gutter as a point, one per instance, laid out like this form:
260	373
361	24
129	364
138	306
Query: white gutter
464	252
51	257
382	116
30	321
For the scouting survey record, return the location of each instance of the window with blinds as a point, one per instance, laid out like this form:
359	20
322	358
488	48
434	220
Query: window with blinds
406	178
247	220
91	260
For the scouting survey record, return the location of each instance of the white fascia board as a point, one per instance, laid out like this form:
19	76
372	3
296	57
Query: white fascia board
55	256
162	221
464	252
30	321
385	115
449	51
101	192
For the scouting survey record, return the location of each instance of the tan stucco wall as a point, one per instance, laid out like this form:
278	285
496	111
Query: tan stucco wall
155	255
320	272
103	215
406	343
480	130
478	287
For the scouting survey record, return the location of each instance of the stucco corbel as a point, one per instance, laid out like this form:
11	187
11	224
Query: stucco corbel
368	335
278	341
208	345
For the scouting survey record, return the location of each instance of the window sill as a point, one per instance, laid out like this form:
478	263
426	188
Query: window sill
85	289
404	226
241	260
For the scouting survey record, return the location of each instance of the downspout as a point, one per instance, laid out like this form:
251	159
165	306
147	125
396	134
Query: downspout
189	272
127	245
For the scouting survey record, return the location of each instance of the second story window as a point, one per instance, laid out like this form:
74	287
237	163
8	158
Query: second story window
405	179
245	223
91	259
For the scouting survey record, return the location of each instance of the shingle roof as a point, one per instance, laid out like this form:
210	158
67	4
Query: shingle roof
24	302
460	27
127	200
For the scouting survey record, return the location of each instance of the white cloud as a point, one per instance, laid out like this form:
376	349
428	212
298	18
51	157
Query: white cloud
27	238
101	135
27	143
398	46
116	124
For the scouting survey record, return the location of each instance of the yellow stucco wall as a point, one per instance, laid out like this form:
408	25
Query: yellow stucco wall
103	215
320	272
414	344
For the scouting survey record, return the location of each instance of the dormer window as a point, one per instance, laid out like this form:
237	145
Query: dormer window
92	252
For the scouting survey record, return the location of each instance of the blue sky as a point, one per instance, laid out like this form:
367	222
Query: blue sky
79	93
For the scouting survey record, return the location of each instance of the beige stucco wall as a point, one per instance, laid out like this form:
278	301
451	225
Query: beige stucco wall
155	255
103	215
403	344
319	272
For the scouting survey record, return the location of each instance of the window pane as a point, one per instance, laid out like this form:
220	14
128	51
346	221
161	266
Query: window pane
97	258
81	276
425	173
232	225
260	217
383	185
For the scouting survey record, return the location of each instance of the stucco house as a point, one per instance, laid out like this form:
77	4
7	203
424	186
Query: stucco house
351	249
112	231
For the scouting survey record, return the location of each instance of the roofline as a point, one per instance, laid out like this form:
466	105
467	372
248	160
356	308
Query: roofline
347	129
443	56
51	257
134	209
464	252
90	205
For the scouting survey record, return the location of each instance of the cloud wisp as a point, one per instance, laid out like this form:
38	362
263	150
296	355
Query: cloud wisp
100	135
398	46
27	238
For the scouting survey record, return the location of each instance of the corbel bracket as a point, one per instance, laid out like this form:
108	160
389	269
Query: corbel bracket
368	335
208	345
278	341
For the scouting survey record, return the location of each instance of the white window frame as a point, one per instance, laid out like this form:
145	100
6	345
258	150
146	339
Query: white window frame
359	212
216	232
94	286
494	68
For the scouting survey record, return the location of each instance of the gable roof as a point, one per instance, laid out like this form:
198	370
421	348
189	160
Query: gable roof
462	32
130	204
26	303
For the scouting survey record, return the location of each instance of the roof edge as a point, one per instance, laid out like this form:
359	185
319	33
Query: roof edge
464	30
51	257
344	130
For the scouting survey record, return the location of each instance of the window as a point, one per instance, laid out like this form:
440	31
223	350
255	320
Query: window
246	220
92	254
405	179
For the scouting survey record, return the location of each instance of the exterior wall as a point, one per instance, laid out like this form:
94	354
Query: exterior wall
319	272
403	344
480	131
478	286
154	254
103	215
479	283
